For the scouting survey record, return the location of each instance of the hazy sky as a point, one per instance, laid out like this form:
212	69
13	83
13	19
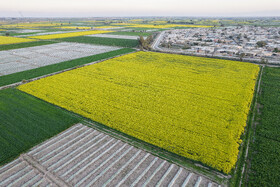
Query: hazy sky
91	8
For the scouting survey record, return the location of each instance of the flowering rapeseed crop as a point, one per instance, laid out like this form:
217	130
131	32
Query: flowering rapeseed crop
192	106
70	34
12	40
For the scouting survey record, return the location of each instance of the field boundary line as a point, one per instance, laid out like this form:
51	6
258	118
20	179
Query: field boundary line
58	72
35	165
253	127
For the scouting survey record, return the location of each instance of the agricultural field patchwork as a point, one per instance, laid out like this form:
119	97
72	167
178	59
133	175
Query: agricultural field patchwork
102	41
45	33
26	121
131	33
192	106
18	60
70	34
44	70
23	45
13	40
74	27
115	36
159	26
32	25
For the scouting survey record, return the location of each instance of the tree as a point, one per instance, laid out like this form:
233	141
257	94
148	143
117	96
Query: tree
241	56
276	50
261	43
7	34
264	61
145	44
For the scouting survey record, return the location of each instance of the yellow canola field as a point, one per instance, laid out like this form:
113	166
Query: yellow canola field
13	40
71	34
192	106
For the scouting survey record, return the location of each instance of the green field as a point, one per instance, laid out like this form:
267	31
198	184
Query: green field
26	121
29	74
23	45
102	41
265	148
132	33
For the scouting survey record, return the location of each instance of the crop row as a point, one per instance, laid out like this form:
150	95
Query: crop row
26	121
265	149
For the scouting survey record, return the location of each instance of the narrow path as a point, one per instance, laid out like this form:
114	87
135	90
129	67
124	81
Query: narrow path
253	124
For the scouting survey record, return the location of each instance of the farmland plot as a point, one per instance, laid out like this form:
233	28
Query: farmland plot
26	121
13	40
102	41
194	107
33	57
265	149
70	34
82	156
115	36
46	33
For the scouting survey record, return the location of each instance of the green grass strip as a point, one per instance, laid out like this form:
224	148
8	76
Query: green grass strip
26	121
102	41
131	33
33	73
23	45
264	151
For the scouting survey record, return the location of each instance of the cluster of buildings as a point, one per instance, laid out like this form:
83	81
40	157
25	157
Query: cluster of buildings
246	42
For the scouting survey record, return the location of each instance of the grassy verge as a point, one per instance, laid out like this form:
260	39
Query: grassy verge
23	45
132	33
26	121
33	73
246	137
102	41
265	148
19	34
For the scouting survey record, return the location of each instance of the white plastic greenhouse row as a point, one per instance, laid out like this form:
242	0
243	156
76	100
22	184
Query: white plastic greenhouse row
82	156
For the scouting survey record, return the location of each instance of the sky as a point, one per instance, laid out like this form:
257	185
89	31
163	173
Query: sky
122	8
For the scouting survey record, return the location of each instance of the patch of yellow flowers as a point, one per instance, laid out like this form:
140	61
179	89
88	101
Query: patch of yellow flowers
13	40
192	106
70	34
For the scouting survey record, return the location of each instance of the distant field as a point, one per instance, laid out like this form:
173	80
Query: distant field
132	33
265	149
13	40
102	41
195	107
165	26
26	121
71	34
29	74
18	60
23	45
